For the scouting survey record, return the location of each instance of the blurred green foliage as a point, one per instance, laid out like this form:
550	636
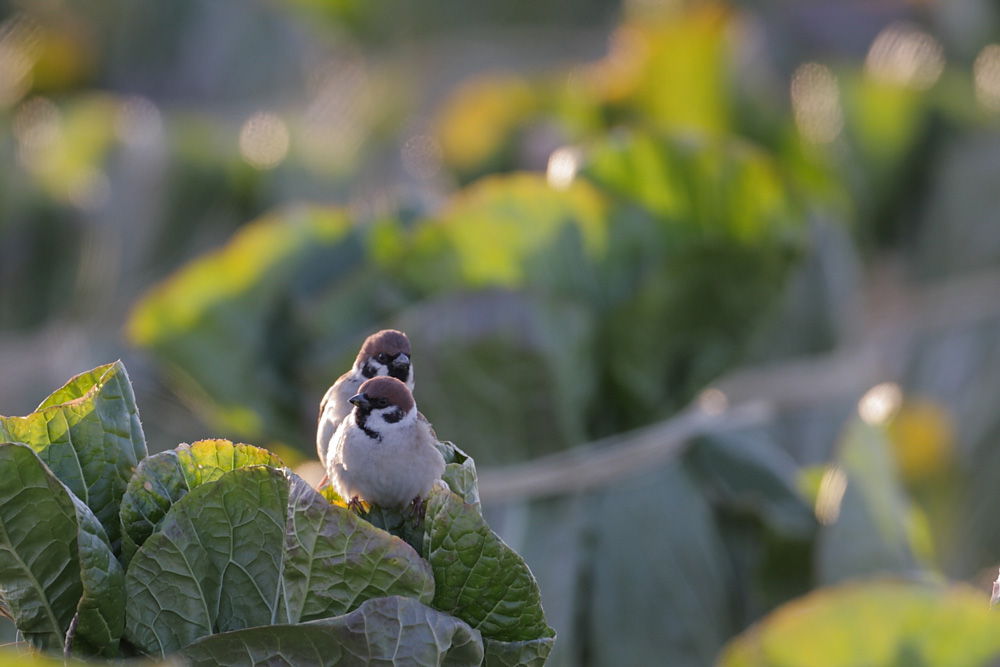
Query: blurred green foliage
585	284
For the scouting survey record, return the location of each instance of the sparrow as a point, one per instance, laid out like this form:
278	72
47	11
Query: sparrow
384	452
384	353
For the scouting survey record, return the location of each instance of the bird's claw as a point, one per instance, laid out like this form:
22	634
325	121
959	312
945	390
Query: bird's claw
359	506
417	509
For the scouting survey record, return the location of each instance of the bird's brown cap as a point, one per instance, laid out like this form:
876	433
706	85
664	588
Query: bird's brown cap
387	341
385	390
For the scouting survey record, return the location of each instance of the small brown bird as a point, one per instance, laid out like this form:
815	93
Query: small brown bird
384	452
384	353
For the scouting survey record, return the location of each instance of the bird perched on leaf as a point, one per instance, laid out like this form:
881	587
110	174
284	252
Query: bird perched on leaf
384	451
384	353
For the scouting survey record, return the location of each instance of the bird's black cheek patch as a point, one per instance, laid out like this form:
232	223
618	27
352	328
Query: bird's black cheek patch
369	370
361	419
393	416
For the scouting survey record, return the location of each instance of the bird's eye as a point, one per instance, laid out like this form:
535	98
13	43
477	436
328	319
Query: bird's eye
382	401
383	358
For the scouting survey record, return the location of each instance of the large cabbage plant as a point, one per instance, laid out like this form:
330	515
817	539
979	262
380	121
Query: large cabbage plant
214	553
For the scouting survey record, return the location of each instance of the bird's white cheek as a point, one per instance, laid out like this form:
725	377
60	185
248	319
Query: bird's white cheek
382	421
373	368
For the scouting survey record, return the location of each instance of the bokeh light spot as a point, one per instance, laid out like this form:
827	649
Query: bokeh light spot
264	140
986	72
906	56
713	401
830	495
37	127
563	165
880	403
816	103
335	123
18	40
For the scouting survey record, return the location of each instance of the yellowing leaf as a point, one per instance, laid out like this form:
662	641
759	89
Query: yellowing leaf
78	135
496	225
477	119
873	623
226	324
885	118
922	436
260	247
684	81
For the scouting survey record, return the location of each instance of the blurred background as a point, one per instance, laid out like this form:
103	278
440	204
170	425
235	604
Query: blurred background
710	291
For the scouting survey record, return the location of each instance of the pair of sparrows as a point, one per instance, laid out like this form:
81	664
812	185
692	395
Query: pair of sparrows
375	445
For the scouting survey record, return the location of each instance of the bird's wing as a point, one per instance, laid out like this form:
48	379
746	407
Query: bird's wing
423	420
324	432
327	425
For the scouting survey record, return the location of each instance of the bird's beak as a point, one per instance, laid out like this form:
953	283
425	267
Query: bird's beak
360	400
401	361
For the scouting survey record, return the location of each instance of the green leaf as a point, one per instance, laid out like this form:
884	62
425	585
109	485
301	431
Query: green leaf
749	473
891	133
387	630
658	586
399	523
460	473
256	547
56	562
697	186
888	623
358	561
766	524
88	434
164	478
100	614
699	249
871	525
478	578
701	308
530	653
